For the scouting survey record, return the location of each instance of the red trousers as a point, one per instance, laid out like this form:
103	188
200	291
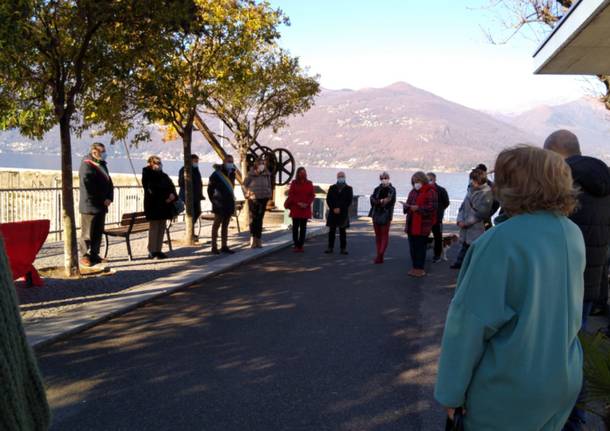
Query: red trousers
382	236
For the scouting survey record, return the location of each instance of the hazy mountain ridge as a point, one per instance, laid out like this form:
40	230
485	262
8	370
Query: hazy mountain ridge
396	127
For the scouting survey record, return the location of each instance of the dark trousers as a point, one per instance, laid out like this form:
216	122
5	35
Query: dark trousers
332	233
437	232
462	254
220	221
257	208
299	231
382	237
418	245
92	229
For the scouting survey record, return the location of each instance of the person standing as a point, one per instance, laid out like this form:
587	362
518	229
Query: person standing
421	209
159	197
592	177
437	229
197	187
221	193
383	200
510	352
259	189
339	199
300	197
96	194
473	213
23	403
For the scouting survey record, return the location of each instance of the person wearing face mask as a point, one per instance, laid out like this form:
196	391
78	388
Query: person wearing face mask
197	187
338	199
159	197
221	193
383	200
443	204
258	187
96	194
421	209
300	197
475	209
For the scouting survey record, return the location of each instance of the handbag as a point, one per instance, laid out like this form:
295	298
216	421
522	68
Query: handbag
457	424
177	207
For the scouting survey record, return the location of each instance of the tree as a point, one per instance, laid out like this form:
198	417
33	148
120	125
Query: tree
540	17
209	50
60	61
270	88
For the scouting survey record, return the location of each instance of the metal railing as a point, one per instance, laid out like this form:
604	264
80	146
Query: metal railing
45	203
364	206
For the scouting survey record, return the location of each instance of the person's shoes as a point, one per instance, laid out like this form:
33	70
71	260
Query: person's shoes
436	260
295	249
411	273
300	249
96	260
227	250
420	273
86	261
152	255
456	266
328	251
252	242
344	252
215	251
378	260
259	243
161	255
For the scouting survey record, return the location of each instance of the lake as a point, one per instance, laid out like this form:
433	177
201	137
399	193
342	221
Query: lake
362	180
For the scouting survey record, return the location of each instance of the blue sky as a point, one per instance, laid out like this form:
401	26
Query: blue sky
437	45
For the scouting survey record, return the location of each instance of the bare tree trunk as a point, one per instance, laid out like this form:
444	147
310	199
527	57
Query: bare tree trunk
244	145
189	201
67	199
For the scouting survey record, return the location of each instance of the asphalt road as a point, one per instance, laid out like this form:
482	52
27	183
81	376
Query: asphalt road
291	342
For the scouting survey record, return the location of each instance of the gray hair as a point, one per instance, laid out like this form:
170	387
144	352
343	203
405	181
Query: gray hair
564	143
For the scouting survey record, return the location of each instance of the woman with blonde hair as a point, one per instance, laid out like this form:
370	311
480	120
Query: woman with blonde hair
510	355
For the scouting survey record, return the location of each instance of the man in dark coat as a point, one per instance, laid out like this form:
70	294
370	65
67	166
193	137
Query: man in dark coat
592	177
222	197
437	229
96	194
197	187
338	199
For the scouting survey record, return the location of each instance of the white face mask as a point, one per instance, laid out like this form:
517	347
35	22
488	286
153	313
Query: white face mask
417	186
260	168
385	182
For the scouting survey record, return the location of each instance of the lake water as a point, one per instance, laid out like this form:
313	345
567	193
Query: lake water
363	181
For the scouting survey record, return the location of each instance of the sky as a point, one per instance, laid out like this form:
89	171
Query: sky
438	45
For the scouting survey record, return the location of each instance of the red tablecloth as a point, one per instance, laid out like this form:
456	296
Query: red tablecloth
23	241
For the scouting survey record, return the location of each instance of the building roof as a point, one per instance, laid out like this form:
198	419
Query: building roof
580	43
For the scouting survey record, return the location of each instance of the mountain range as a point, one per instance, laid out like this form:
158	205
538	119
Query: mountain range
395	127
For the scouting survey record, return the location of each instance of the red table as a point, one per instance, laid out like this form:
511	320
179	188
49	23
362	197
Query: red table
22	241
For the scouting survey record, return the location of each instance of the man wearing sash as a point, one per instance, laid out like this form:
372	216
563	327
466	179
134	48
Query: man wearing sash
96	195
222	197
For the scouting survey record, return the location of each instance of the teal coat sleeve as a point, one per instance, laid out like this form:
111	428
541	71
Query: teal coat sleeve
477	312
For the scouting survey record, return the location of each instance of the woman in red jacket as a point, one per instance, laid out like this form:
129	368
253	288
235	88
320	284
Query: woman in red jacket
300	198
421	216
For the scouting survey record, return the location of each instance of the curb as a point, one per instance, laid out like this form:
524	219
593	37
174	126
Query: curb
48	331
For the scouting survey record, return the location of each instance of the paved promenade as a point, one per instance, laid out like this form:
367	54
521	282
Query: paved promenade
288	342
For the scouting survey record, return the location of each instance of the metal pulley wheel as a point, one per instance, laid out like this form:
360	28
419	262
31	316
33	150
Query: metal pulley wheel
285	167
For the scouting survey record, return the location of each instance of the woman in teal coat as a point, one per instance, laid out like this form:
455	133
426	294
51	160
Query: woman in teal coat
510	353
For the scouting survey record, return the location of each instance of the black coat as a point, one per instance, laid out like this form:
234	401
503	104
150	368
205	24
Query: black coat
592	176
339	197
382	192
222	199
94	186
197	185
157	188
443	203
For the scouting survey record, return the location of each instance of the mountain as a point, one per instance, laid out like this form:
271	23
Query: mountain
586	117
398	127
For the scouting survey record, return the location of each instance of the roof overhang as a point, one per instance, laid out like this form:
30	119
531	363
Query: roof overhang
579	44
